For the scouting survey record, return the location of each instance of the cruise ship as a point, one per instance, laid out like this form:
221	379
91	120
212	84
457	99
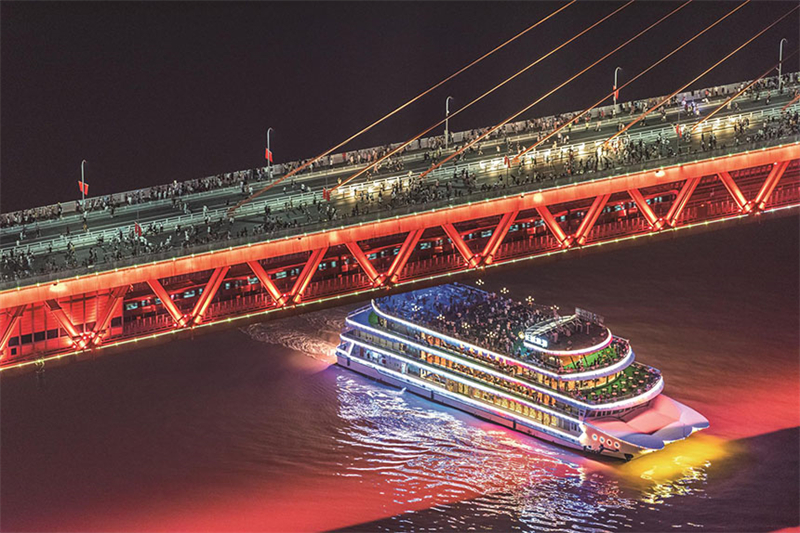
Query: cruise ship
563	379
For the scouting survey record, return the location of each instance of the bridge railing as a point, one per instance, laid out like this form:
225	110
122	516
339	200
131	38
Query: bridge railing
337	159
401	211
479	168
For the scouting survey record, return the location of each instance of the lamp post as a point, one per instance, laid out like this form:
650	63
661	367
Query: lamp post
83	184
269	155
447	122
780	64
616	71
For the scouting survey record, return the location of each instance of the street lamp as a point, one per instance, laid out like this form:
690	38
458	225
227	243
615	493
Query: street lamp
83	184
447	121
616	92
780	64
268	155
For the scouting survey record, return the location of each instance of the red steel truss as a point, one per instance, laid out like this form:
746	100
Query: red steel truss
422	245
8	328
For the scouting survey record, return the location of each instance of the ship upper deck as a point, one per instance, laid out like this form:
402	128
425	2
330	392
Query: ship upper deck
476	316
567	336
504	326
634	385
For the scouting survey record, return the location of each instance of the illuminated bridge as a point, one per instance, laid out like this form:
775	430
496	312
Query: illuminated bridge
190	262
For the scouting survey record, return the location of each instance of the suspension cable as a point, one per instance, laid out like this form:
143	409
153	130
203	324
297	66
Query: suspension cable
642	73
366	129
732	98
476	100
515	115
712	67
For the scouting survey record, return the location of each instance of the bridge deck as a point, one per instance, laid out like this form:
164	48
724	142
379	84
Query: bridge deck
82	309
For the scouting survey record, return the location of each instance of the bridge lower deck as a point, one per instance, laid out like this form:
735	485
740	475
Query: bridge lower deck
80	314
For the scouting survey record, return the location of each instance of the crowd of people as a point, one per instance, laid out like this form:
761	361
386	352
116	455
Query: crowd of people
432	152
535	167
497	324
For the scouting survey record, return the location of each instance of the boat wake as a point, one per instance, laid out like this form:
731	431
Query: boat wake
313	334
436	455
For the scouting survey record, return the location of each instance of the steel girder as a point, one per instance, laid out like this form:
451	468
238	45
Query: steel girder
596	194
394	225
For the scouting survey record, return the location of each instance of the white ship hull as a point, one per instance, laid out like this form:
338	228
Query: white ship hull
445	397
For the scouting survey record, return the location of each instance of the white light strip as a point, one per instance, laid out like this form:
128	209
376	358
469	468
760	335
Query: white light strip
266	312
465	399
468	363
570	377
629	402
529	366
594	348
602	372
460	379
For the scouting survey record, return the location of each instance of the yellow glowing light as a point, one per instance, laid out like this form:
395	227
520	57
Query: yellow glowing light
678	460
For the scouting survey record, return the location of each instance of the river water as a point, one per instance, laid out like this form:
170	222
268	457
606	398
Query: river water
254	429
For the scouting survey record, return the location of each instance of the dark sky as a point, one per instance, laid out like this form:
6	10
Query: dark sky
156	91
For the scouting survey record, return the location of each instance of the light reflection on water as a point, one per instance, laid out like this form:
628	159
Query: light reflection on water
226	434
437	458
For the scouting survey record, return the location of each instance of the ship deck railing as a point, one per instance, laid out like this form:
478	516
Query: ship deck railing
575	394
429	319
571	411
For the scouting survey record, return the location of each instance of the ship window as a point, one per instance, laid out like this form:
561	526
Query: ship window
252	281
189	294
52	333
38	336
616	445
280	275
131	306
424	245
486	233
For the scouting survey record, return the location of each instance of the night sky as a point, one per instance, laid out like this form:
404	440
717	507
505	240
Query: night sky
156	91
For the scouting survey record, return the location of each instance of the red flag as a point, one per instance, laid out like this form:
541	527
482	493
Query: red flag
505	161
137	228
678	129
83	187
616	93
268	155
